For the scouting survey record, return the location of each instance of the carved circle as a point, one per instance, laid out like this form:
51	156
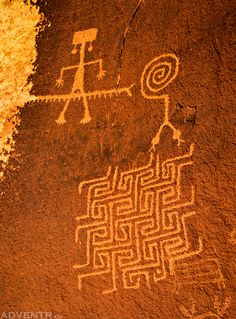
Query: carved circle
157	74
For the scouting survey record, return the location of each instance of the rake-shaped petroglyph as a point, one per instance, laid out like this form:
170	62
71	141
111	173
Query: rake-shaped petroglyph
197	273
157	75
78	92
136	223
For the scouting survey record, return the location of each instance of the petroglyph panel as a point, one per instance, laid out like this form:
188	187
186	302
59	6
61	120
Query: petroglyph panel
136	223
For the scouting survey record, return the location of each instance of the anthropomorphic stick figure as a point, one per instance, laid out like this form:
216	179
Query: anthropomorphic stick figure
77	93
157	74
81	38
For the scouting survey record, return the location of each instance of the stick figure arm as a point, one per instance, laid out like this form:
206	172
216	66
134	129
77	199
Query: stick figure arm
94	62
67	68
60	81
101	71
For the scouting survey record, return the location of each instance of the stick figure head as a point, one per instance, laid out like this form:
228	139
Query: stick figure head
157	74
82	37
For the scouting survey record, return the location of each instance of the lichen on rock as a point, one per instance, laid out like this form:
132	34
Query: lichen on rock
20	22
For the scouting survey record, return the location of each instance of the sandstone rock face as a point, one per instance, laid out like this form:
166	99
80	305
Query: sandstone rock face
20	23
119	201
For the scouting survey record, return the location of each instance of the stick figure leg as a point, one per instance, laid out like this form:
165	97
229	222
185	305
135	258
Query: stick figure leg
87	117
61	119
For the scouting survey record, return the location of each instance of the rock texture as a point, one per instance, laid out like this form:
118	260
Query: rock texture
20	23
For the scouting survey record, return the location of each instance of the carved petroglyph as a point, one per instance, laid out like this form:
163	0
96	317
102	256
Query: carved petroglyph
157	74
136	223
135	228
220	309
232	237
84	39
197	273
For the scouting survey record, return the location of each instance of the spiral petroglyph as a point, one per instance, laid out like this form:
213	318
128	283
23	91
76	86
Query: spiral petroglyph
159	73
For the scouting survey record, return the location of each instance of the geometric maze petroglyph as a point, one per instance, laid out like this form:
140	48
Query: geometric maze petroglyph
135	223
